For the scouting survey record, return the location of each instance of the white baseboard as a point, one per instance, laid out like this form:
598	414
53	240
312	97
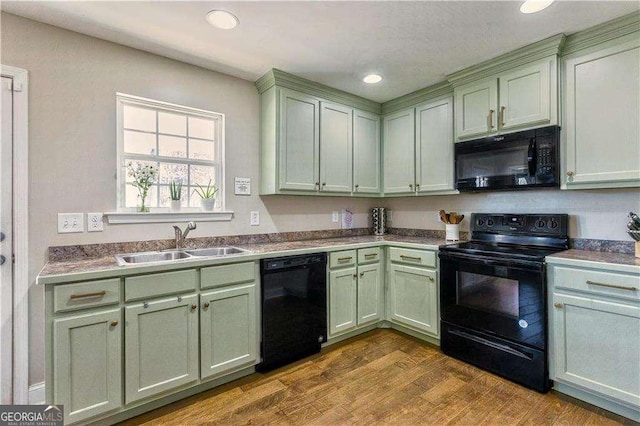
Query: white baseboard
36	393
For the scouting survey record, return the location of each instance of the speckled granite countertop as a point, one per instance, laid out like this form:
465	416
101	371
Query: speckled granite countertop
106	266
618	261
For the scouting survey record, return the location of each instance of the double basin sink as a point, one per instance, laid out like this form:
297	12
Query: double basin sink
174	255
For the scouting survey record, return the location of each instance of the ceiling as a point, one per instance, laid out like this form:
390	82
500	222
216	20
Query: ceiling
412	44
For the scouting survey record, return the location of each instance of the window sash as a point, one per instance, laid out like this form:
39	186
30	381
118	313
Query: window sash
157	106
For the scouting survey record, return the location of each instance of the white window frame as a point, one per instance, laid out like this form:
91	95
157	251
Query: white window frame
163	214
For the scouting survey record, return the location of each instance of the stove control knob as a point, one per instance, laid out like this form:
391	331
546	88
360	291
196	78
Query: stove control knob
489	222
553	224
541	223
480	221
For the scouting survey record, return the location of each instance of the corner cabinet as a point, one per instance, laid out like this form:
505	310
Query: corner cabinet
594	317
356	283
418	149
311	145
413	290
601	110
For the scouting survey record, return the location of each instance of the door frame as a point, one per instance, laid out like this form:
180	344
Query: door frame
20	233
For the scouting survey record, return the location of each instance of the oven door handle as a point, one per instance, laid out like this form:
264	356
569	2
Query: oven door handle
483	260
482	341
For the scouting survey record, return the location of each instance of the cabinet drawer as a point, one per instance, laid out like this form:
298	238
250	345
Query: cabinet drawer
596	282
369	255
153	285
339	259
413	257
89	294
236	273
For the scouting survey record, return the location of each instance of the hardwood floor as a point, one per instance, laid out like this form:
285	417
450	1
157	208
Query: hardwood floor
381	377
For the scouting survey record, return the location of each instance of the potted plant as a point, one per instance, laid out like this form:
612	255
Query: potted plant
176	194
207	195
143	179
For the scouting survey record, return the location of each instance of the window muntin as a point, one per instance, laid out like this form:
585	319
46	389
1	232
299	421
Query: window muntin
185	144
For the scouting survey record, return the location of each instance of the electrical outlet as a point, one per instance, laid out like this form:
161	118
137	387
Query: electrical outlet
255	218
335	217
70	222
94	222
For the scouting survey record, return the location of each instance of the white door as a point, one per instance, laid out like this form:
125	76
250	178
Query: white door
6	246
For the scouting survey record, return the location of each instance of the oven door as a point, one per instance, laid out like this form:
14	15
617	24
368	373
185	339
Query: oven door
504	298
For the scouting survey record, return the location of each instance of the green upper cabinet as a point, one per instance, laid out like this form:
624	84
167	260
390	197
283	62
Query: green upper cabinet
418	147
314	140
434	146
336	142
366	153
399	152
601	110
299	151
516	91
476	106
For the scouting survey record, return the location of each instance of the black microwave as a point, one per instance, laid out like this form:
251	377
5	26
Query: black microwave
521	160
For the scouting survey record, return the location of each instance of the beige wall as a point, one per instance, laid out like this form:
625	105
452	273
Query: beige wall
72	155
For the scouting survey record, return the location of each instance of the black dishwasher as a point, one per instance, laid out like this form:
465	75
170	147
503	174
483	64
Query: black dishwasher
294	308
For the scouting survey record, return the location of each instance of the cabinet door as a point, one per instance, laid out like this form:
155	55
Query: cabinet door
161	346
434	146
299	157
342	300
596	345
399	152
413	294
336	148
602	101
366	152
370	293
476	106
87	364
228	339
525	96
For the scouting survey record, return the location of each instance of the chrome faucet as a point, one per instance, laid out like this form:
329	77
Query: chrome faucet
181	236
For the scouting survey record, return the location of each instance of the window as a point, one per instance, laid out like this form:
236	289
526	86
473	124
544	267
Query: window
185	144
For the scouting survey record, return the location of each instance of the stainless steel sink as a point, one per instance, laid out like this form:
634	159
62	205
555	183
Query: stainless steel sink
215	251
173	255
151	257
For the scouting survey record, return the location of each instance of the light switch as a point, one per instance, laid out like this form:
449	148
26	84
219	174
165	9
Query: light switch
70	222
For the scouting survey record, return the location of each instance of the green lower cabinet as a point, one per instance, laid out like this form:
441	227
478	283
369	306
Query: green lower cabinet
87	371
228	339
370	294
161	346
342	300
413	298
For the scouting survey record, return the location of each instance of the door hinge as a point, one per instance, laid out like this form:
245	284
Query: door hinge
13	258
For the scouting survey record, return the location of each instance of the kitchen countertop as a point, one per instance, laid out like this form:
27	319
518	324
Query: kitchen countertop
616	261
105	267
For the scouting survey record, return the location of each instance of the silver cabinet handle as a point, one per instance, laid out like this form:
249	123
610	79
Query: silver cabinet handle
558	305
501	117
620	287
344	259
491	119
410	257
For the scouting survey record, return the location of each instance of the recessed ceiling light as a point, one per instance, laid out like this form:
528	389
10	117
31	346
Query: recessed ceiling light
533	6
222	19
372	79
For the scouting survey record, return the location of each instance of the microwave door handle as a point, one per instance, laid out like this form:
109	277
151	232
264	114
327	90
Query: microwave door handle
532	159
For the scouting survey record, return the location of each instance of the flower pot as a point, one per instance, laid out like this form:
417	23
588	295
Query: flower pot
176	205
207	204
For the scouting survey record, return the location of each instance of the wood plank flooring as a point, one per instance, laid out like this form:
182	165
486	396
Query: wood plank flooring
380	378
